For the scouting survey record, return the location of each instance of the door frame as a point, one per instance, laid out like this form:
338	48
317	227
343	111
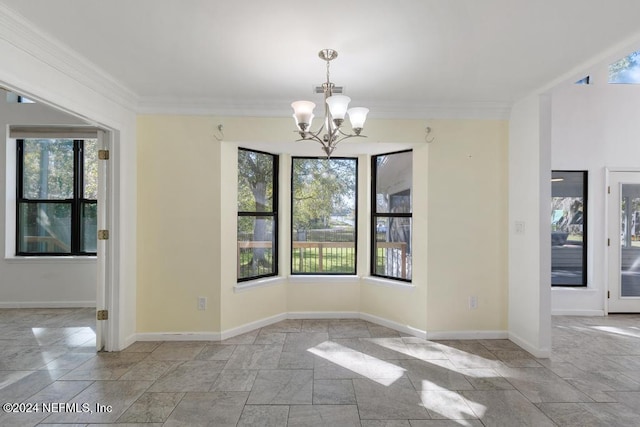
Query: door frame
608	172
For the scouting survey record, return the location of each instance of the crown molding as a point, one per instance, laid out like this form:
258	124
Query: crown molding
24	35
205	106
19	32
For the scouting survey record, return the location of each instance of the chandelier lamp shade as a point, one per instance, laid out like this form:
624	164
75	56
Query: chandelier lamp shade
336	108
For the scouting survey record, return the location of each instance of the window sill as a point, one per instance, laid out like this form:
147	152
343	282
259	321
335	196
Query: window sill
324	279
51	259
573	289
258	283
388	283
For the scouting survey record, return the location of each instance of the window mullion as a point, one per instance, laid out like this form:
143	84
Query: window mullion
75	201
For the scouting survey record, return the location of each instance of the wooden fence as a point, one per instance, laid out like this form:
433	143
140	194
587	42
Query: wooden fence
322	250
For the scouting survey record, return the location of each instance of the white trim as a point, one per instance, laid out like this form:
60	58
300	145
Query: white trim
27	37
48	304
407	329
131	339
468	335
251	326
323	315
543	353
394	325
573	289
322	279
51	259
216	107
592	313
388	283
258	283
177	336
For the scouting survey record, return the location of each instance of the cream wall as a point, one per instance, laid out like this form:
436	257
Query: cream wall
178	224
467	210
187	228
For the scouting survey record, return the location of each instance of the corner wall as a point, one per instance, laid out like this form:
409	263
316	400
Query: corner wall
529	226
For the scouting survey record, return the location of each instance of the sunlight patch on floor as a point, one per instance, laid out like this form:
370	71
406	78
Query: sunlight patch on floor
377	370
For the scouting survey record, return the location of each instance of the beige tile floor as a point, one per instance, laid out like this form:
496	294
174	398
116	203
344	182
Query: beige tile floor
318	373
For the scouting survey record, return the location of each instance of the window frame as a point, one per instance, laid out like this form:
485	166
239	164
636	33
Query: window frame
76	202
585	222
375	215
355	231
272	214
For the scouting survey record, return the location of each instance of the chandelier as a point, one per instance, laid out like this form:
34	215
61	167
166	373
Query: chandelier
335	110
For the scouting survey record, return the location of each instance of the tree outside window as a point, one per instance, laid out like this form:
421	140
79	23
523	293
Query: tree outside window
57	196
323	219
257	214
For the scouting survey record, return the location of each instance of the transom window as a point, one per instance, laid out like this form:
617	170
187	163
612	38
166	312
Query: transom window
391	215
323	215
57	190
626	70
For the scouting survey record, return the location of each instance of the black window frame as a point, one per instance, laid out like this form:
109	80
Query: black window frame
76	202
585	222
267	214
375	215
355	231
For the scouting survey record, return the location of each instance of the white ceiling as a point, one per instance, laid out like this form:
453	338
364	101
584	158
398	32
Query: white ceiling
398	58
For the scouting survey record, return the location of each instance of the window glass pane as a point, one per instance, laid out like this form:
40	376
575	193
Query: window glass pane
626	70
629	240
48	169
44	227
568	225
90	190
393	175
255	181
323	216
89	227
256	241
393	248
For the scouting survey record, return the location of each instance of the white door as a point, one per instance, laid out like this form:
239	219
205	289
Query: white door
102	245
624	242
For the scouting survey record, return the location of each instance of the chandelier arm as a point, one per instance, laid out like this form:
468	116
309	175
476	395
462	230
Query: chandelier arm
311	137
347	137
316	135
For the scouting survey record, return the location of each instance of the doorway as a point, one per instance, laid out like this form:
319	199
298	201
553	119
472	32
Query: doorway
623	213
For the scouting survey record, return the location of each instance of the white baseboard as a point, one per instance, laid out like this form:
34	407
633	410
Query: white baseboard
130	340
178	336
467	335
323	315
542	353
593	313
47	304
409	330
394	325
248	327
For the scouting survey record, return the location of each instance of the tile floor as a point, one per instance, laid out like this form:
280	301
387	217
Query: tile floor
319	373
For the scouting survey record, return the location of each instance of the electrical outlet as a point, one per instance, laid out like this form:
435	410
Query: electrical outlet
473	302
202	303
